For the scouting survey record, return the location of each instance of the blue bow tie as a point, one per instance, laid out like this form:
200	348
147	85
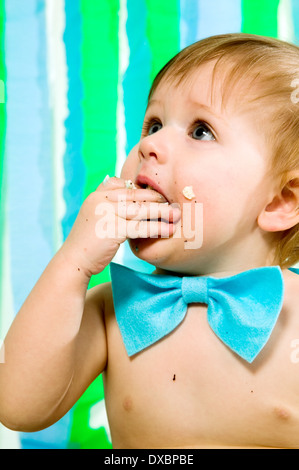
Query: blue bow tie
242	309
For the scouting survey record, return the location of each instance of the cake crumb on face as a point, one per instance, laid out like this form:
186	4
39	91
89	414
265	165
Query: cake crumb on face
188	192
130	184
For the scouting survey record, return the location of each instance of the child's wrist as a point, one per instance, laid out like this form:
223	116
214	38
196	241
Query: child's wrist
75	263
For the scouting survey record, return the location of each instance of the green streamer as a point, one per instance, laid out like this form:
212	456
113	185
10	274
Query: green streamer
2	143
163	32
82	435
260	17
100	78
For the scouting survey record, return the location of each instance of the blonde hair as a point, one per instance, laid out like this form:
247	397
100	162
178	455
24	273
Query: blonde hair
270	69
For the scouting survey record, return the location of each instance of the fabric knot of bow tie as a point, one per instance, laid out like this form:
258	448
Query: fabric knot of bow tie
242	309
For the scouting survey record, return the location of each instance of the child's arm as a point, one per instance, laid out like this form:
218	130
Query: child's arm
52	352
57	343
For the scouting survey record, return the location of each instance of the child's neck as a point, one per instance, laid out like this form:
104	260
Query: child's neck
225	270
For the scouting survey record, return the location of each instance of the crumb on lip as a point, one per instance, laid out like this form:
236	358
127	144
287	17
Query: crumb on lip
188	192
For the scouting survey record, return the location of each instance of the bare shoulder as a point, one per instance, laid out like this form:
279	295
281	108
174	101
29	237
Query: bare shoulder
100	299
291	280
99	311
99	295
291	294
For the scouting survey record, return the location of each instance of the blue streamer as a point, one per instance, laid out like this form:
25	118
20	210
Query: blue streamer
295	16
136	82
219	17
189	18
73	160
29	167
28	146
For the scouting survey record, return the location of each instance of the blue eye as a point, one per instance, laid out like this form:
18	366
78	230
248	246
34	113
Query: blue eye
154	127
202	132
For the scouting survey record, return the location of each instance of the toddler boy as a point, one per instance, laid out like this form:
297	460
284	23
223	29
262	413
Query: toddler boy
202	353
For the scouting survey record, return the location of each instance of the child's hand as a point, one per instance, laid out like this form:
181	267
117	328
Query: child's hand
112	214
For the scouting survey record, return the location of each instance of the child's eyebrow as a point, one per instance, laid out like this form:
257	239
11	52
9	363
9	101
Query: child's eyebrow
153	101
207	108
198	104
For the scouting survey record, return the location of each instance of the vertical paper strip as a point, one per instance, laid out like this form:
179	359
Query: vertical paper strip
295	16
136	81
28	146
121	136
285	25
55	436
226	17
260	17
3	186
123	62
74	169
8	439
100	80
100	85
28	152
2	117
189	21
57	75
163	38
163	22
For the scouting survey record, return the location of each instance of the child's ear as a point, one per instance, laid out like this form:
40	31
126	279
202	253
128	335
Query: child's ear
282	213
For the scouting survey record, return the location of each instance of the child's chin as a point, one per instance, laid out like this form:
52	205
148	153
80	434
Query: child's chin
151	250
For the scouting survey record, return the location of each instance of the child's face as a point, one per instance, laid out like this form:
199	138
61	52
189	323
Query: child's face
190	140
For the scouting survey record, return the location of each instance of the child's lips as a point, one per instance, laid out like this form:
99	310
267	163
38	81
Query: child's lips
144	182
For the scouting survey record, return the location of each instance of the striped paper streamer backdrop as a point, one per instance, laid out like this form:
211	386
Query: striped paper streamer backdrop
74	78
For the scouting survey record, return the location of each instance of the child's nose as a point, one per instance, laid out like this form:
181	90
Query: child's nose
155	146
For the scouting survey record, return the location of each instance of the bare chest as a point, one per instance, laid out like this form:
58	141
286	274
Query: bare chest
190	390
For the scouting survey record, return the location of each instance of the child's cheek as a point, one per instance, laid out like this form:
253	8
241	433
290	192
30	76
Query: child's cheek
200	210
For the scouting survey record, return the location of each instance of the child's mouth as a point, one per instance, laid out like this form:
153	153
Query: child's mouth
146	183
147	186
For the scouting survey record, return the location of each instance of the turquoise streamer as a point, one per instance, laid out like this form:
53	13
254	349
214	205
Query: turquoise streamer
295	15
74	168
136	82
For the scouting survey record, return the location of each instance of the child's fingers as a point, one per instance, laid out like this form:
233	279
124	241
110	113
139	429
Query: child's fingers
128	211
114	183
149	211
119	189
119	228
149	229
140	195
111	183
